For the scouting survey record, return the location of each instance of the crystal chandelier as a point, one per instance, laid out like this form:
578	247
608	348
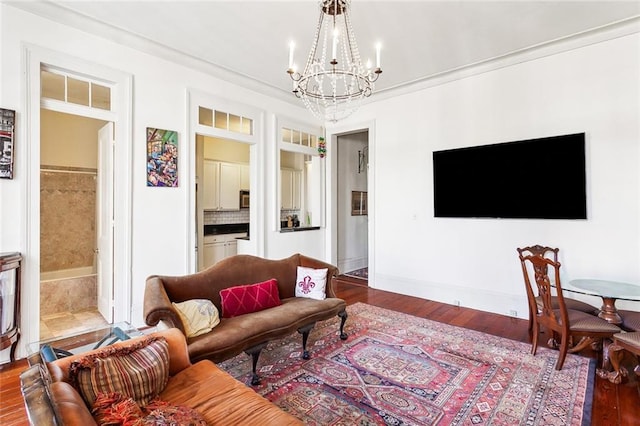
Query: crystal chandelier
333	83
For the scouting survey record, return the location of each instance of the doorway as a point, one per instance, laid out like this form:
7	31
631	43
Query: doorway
352	206
76	290
95	91
223	187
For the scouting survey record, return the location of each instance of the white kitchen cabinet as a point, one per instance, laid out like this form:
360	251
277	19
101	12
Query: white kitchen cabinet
244	177
221	186
296	188
229	186
290	189
217	247
208	185
212	253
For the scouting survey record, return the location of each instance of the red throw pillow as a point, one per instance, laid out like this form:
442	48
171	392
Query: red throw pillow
244	299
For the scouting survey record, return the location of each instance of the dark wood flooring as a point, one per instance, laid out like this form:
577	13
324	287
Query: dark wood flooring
612	404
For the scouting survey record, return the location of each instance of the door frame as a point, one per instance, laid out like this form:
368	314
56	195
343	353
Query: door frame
195	100
332	217
121	115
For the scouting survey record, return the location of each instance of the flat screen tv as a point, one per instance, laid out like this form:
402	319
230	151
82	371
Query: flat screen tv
530	179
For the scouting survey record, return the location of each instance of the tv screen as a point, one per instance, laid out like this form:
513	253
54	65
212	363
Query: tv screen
531	179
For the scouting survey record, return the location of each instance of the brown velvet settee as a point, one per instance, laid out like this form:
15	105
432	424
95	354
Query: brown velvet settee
249	332
218	397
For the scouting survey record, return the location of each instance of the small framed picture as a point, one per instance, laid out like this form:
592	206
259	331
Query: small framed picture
359	203
162	157
7	132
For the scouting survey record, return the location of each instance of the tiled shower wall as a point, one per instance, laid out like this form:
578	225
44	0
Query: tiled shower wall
67	219
68	295
67	238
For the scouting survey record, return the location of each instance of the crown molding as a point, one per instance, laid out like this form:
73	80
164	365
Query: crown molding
61	14
575	41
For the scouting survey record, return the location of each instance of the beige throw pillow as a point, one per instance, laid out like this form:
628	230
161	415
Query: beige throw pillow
198	316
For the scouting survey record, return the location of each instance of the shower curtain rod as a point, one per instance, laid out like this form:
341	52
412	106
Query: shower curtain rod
50	169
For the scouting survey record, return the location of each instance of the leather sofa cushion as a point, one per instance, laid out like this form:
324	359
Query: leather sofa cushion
218	396
234	335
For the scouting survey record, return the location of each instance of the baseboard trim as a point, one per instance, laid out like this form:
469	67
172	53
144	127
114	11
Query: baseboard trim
469	297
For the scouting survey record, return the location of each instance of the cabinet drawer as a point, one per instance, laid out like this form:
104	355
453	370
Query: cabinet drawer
223	238
210	239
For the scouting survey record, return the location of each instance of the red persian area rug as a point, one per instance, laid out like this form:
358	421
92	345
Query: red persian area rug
397	369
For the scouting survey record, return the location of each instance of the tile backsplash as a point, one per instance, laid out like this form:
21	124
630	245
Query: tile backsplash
212	217
220	218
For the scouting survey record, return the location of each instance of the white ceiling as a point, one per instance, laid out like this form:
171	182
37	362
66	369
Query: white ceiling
248	40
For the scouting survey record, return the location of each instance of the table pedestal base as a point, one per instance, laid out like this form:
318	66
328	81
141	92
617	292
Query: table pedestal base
608	311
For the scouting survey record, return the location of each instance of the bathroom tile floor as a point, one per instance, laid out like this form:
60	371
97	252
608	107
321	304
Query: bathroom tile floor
66	323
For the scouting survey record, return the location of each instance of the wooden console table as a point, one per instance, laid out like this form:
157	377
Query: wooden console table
10	301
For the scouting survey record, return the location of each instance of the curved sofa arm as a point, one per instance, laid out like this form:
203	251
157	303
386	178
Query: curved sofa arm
157	305
332	272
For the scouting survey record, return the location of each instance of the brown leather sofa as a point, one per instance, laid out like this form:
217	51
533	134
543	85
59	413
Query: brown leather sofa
250	332
221	399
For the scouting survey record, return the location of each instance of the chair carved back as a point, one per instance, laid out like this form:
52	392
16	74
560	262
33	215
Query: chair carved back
536	261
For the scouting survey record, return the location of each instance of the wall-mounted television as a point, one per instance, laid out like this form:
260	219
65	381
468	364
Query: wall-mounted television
530	179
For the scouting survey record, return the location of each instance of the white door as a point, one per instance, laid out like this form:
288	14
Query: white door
104	221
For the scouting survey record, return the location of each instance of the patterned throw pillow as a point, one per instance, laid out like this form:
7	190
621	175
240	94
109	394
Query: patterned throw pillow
139	371
198	316
160	412
116	409
244	299
311	283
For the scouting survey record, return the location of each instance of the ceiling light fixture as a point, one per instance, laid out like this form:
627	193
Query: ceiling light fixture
333	83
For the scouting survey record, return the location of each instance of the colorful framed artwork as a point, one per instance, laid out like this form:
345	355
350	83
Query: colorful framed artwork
359	203
7	132
162	157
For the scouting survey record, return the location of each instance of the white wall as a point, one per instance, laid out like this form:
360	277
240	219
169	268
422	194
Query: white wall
159	215
226	150
352	230
68	140
594	89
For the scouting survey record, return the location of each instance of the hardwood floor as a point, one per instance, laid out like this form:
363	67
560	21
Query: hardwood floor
612	404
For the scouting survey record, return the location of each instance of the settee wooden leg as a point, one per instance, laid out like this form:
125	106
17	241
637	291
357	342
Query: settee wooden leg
305	335
255	354
343	318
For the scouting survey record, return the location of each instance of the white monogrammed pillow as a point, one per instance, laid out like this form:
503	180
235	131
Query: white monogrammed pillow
311	283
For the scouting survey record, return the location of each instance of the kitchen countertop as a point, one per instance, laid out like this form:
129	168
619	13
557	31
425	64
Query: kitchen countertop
227	228
300	228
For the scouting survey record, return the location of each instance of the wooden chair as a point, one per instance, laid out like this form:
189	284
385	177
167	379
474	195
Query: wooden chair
571	303
564	323
630	320
622	342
